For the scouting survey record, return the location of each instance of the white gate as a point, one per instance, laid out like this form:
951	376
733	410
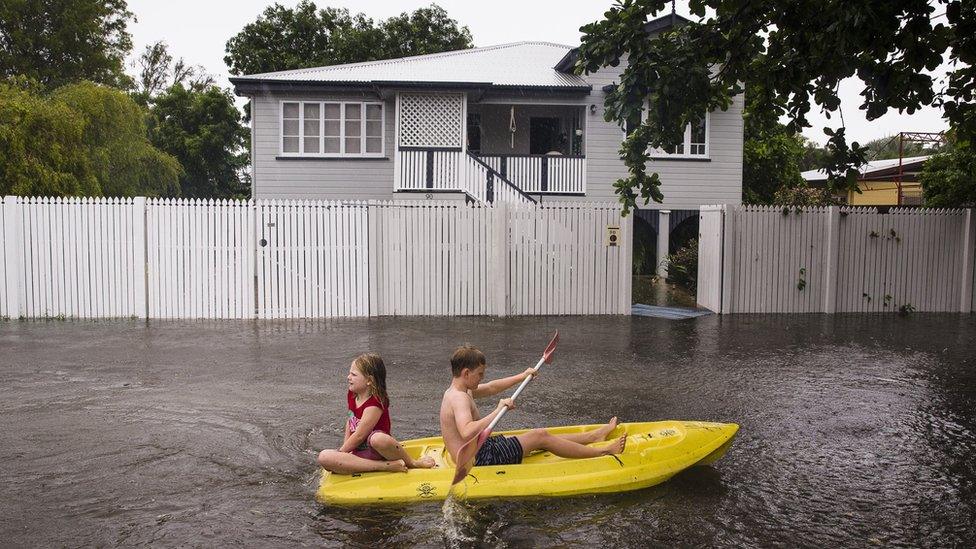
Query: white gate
312	259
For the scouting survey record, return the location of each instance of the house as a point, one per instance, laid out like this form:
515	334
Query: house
509	122
890	182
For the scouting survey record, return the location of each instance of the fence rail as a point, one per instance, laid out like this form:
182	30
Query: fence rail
270	259
761	259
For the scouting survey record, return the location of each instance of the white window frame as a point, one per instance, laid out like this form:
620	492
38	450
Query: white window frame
686	142
342	129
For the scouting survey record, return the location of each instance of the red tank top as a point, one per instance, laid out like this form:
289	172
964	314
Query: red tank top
356	413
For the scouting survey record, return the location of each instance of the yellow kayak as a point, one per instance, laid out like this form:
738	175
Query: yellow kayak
655	452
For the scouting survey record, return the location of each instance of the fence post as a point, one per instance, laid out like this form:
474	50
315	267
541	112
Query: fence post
498	268
140	255
663	241
830	273
726	239
626	263
968	246
13	243
373	269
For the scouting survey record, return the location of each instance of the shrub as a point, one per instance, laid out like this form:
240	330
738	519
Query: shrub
683	266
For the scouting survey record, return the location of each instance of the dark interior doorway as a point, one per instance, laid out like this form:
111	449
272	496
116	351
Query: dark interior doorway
545	135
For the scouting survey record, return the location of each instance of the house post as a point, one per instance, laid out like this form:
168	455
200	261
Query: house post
663	241
968	248
830	272
13	253
140	257
498	268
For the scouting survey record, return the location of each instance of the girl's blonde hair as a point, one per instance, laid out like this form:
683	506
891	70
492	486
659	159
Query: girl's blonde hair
373	369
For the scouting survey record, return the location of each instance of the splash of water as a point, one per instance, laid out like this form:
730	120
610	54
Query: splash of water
457	519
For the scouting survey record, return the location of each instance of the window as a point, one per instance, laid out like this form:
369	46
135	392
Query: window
694	145
332	128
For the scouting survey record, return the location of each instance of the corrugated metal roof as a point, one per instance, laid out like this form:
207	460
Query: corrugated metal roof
522	64
868	168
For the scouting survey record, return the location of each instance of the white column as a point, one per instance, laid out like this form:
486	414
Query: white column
663	241
13	243
830	272
968	245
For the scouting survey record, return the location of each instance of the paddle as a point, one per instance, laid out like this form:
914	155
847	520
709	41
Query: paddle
467	452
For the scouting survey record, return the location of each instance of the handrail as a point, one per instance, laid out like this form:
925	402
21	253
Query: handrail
502	178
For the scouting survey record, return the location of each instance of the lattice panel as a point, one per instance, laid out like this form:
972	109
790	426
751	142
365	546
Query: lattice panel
431	119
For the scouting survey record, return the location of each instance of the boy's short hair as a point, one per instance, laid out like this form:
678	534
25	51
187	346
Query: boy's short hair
468	357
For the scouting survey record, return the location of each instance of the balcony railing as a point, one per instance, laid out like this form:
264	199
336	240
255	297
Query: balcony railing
426	168
540	174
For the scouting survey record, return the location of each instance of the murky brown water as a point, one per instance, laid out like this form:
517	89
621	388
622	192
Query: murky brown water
856	430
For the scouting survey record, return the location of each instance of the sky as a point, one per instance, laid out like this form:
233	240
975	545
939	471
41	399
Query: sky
198	32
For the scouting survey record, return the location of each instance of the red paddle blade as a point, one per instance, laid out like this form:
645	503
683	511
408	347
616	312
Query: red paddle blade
551	348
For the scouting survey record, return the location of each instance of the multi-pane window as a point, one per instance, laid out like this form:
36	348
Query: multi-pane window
331	128
693	145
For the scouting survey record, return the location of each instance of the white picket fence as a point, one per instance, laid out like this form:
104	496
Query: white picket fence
270	259
763	259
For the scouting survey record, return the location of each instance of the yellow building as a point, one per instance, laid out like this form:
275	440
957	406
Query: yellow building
882	182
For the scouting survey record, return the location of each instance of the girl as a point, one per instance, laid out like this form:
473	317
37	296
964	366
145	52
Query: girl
367	444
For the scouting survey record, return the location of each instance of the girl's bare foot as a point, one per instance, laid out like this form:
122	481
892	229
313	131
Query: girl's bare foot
616	447
425	462
605	430
396	466
600	433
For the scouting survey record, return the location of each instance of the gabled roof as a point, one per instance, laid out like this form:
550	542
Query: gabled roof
517	65
651	27
874	168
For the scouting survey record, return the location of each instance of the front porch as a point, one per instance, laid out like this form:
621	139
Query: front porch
489	151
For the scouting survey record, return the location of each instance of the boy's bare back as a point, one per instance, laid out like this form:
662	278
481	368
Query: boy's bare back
455	400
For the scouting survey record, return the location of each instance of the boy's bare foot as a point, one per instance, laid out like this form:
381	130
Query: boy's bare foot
616	447
425	462
396	466
602	432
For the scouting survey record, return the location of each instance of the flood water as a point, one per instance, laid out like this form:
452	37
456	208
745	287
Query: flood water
855	430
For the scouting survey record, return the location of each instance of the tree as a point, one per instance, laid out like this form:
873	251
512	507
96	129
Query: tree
81	140
115	135
60	41
770	155
690	69
885	148
41	146
283	39
203	130
949	179
157	72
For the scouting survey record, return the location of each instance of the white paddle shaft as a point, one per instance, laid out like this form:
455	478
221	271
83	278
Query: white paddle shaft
516	394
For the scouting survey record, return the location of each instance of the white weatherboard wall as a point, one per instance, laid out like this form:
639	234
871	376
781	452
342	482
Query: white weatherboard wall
308	259
838	259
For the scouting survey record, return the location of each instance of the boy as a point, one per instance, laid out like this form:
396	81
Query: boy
461	422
